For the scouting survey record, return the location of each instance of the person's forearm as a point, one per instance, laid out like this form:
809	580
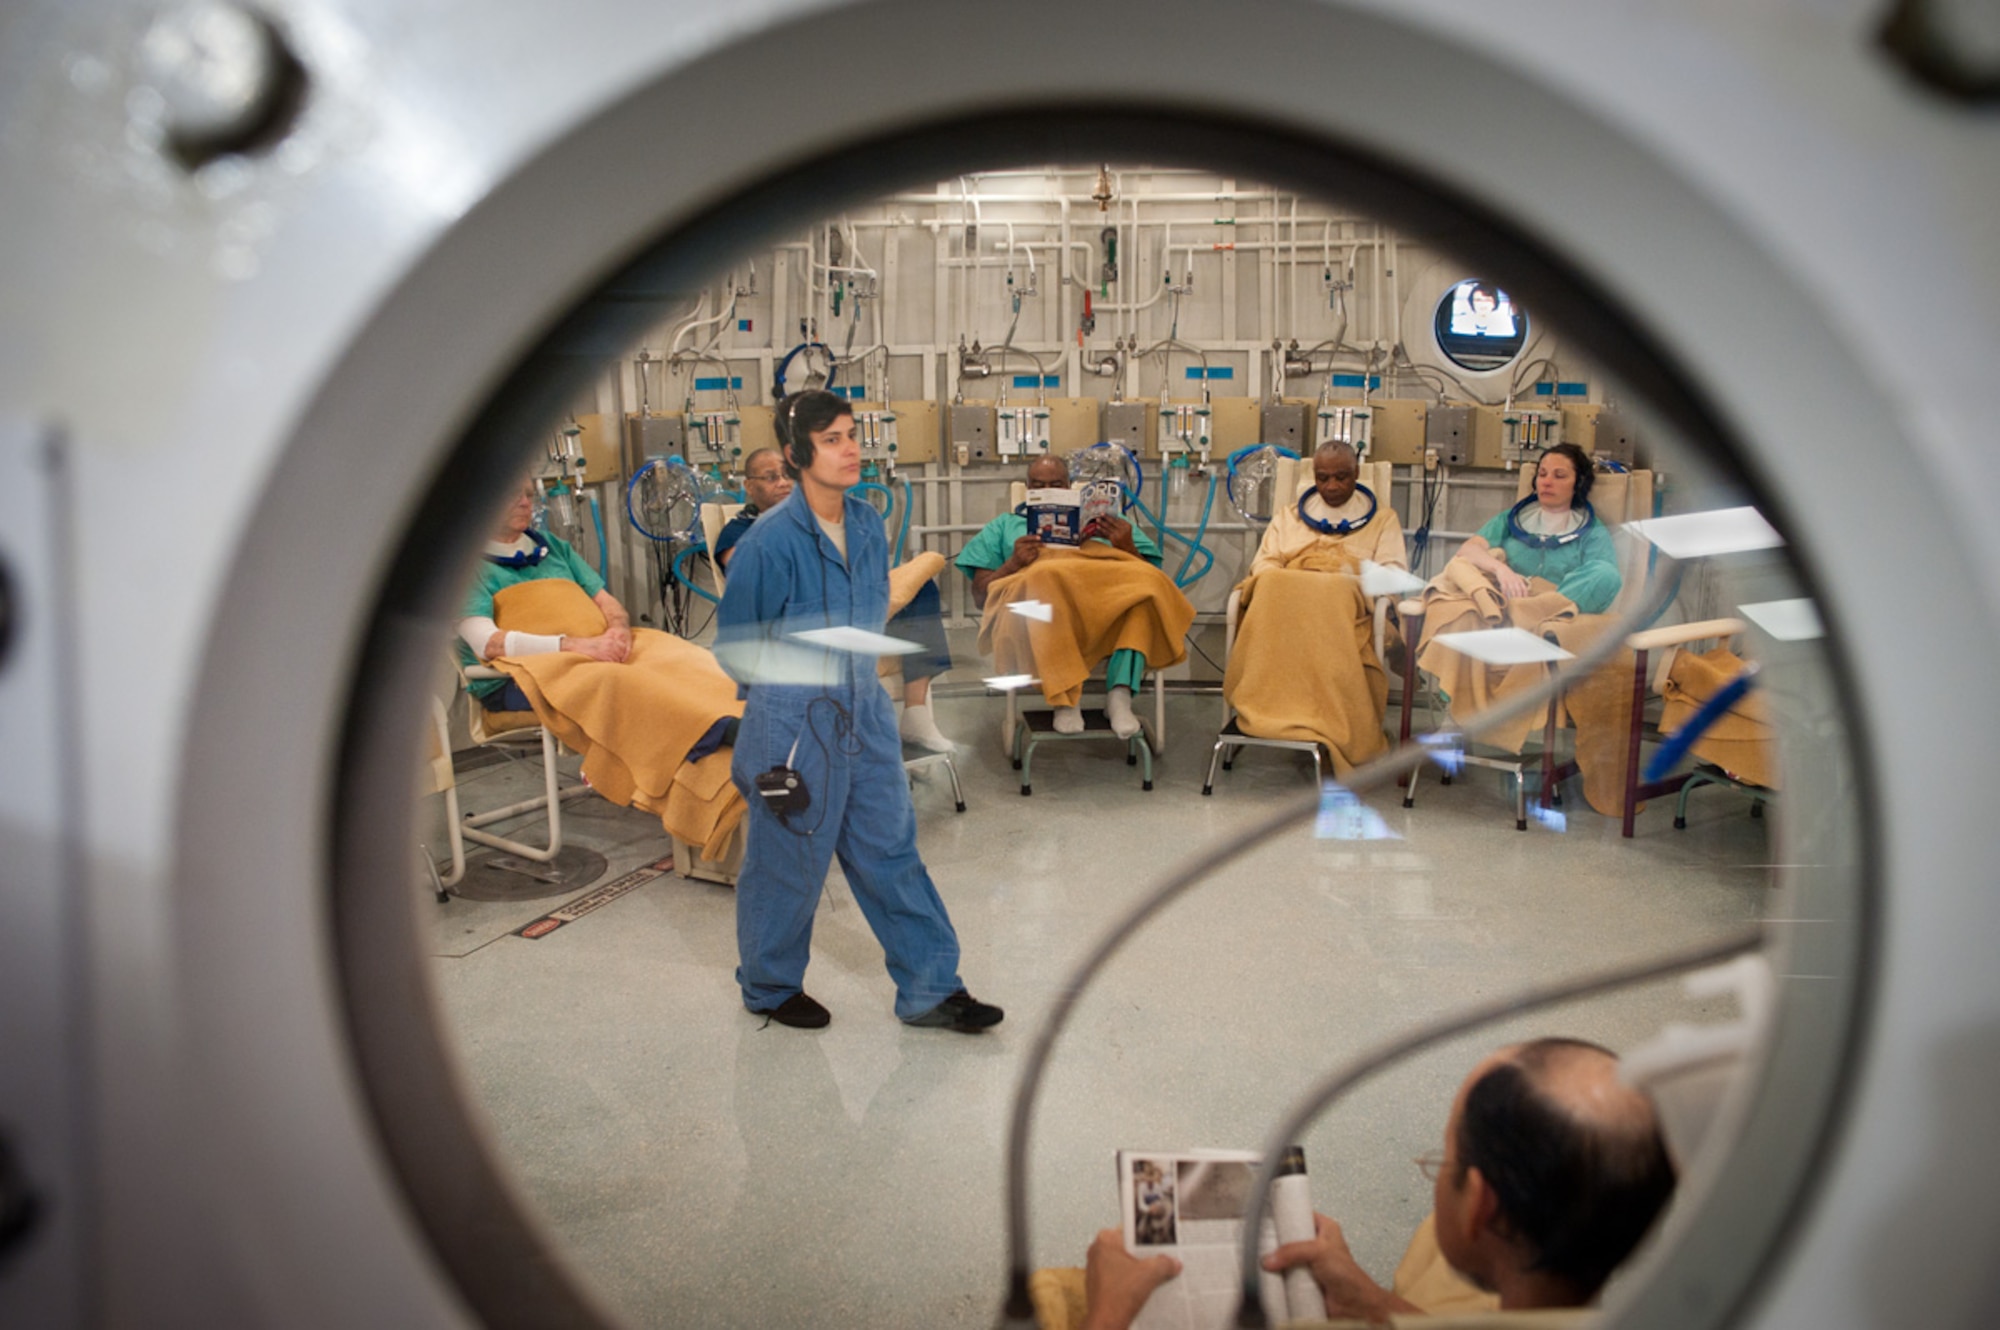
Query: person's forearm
986	577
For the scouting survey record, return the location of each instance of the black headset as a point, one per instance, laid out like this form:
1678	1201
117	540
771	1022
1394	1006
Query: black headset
1342	527
524	558
1517	532
798	451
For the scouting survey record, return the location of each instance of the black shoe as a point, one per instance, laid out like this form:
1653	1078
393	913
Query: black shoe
961	1012
798	1011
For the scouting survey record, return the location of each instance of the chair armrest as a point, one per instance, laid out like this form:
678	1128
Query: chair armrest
483	672
1673	635
1408	607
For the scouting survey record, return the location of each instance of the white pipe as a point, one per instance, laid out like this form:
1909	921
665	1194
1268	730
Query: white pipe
674	347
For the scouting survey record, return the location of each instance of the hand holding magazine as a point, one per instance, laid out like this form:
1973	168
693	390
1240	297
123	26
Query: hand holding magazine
1191	1205
1062	516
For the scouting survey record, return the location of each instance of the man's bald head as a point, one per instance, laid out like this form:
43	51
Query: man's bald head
1048	472
1574	1156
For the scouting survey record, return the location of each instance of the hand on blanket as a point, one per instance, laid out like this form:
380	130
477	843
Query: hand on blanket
1116	1283
613	645
1512	585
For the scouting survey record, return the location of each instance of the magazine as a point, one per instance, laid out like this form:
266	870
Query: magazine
1061	516
1190	1204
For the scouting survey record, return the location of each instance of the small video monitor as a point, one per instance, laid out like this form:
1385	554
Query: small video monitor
1478	326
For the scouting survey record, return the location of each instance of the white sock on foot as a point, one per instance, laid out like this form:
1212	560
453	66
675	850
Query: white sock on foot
1069	720
919	726
1118	708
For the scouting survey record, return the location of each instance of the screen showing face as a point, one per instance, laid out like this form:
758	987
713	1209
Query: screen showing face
1478	326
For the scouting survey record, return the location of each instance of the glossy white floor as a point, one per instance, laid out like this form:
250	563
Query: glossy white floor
699	1168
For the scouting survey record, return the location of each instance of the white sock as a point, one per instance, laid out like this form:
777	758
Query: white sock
1069	720
919	726
1118	708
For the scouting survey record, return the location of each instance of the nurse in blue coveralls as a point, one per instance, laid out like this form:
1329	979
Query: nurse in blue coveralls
819	560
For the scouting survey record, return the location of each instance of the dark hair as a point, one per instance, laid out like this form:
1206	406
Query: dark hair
801	416
1578	1193
1586	473
1491	294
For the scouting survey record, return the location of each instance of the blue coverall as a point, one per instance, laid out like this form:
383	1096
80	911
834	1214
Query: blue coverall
785	577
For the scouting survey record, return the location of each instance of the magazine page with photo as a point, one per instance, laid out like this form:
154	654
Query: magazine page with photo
1191	1205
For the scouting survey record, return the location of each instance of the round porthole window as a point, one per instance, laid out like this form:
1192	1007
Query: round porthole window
1479	326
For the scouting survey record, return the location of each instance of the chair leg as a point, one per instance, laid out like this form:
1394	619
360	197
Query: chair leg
1632	729
957	791
455	836
1214	760
1520	799
1145	752
551	800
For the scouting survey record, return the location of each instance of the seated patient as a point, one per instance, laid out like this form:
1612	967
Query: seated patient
1538	566
920	621
1110	602
645	709
1551	1173
1325	685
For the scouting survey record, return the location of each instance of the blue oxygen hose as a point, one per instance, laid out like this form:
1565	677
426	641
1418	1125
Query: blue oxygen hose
1181	579
1238	456
603	548
1713	710
778	384
681	576
1194	546
903	532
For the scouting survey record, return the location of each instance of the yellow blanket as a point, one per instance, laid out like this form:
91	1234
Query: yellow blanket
1464	599
1102	600
1740	742
634	720
1324	685
905	581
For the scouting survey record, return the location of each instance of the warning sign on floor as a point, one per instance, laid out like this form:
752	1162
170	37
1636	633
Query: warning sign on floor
574	910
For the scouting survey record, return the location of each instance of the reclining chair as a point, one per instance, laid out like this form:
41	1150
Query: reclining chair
1617	497
1294	475
1022	730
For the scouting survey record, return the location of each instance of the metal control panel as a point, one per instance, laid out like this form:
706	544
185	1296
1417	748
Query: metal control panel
656	435
1448	429
1125	423
1283	424
973	434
